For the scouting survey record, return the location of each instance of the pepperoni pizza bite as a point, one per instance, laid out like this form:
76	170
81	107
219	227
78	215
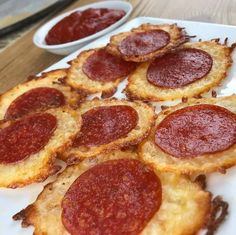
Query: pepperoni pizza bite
108	125
194	137
146	42
192	69
96	70
29	145
38	94
117	194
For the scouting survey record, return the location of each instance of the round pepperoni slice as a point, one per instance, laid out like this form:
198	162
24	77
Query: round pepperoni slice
104	67
26	136
144	43
115	197
180	68
41	98
104	124
196	130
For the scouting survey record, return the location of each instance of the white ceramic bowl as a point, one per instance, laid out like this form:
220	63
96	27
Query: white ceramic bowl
67	48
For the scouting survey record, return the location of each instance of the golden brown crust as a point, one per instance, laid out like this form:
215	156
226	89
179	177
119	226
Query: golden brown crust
179	197
135	136
79	80
53	79
40	165
139	88
177	37
219	212
219	161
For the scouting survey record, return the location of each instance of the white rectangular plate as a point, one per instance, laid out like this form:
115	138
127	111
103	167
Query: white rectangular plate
13	200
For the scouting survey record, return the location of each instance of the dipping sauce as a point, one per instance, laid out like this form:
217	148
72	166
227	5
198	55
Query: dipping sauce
81	24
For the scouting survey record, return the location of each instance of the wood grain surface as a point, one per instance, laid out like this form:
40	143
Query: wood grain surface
22	58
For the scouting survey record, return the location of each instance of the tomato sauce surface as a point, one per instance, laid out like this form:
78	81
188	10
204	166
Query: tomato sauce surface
81	24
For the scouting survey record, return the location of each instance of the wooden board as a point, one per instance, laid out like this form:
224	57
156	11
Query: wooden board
22	58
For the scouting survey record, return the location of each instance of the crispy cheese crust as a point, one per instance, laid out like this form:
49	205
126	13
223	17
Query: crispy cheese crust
80	81
50	79
218	161
145	121
177	37
181	200
139	87
40	165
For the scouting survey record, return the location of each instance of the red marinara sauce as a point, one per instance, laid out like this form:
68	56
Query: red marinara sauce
112	198
81	24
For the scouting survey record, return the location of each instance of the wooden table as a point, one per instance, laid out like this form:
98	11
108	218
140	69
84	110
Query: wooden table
22	58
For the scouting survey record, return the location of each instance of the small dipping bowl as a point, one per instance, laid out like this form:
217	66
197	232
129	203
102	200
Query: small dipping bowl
67	48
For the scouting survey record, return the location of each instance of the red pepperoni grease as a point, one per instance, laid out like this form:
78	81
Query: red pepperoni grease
144	43
37	99
112	198
196	130
104	124
180	68
104	67
81	24
26	136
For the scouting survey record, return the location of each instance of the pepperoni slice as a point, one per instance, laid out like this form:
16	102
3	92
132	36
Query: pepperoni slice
180	68
36	99
26	136
196	130
144	43
115	197
104	124
104	67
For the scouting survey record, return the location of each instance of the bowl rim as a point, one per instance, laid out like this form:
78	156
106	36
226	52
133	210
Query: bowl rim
56	19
